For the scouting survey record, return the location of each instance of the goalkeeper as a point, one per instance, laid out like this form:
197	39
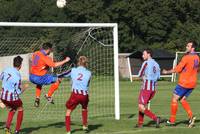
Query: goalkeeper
80	77
41	62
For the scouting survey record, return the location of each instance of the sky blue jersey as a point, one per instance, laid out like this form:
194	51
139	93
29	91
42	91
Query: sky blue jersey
11	83
150	70
80	77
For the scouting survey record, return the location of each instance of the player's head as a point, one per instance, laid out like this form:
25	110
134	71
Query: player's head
83	61
47	47
147	53
191	45
17	62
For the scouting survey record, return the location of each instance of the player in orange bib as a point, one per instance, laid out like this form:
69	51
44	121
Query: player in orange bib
41	62
188	70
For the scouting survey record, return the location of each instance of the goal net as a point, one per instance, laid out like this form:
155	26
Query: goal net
178	57
99	42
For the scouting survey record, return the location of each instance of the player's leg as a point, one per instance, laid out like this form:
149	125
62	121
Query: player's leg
19	119
54	86
187	108
144	98
68	121
9	120
178	92
70	105
37	95
38	81
11	112
84	100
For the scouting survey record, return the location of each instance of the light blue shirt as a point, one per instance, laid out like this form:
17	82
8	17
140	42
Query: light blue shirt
150	70
11	80
80	77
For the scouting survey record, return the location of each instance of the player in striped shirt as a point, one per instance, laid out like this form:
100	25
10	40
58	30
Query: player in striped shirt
80	77
150	73
188	69
11	89
41	62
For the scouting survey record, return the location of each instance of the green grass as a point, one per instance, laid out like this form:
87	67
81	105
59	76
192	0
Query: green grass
48	122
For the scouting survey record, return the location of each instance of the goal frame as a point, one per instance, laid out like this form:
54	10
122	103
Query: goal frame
115	46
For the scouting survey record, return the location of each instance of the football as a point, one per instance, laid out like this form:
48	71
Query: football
61	3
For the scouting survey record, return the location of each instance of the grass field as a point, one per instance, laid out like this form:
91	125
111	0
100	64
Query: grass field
51	121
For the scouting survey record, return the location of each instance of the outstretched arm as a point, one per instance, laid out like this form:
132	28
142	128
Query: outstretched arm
64	74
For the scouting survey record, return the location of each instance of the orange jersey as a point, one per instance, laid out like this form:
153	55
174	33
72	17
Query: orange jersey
188	69
40	63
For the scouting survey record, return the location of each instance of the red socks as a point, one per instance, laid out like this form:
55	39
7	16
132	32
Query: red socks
19	120
67	123
84	117
150	114
140	118
9	119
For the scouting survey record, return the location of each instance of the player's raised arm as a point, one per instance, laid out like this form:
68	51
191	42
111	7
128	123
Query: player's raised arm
60	63
64	74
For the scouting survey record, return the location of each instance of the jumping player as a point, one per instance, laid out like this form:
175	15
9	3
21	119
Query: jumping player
41	62
188	70
80	77
11	89
150	73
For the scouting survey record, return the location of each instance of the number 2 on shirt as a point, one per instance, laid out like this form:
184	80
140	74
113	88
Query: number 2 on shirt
80	77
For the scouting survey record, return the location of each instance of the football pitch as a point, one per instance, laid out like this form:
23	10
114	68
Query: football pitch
34	123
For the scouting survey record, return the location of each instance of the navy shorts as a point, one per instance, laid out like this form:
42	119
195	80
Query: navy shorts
43	80
181	91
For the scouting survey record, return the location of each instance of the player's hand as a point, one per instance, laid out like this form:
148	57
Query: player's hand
164	71
24	87
67	59
2	105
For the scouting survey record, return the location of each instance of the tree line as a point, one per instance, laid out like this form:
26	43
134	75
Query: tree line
166	24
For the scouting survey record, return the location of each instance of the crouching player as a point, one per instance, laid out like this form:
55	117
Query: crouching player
11	89
150	72
80	77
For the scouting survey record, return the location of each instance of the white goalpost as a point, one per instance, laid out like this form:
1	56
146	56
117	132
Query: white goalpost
98	41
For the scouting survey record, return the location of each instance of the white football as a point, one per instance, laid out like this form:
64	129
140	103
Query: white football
61	3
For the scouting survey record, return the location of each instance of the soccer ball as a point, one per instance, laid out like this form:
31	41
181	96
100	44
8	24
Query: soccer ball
61	3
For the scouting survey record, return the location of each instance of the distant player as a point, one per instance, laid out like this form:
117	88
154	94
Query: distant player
41	62
150	73
11	89
188	69
80	77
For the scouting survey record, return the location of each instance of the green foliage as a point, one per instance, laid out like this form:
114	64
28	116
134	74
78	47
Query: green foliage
153	23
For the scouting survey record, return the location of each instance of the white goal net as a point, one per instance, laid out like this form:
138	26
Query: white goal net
99	42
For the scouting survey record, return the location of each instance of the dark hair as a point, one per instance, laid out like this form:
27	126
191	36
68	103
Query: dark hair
194	43
47	45
17	61
149	51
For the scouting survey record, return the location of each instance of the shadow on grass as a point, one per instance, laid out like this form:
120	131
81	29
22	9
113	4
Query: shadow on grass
90	127
131	116
185	122
2	125
150	123
31	129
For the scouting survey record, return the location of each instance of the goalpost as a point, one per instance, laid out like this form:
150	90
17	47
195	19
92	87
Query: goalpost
98	41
